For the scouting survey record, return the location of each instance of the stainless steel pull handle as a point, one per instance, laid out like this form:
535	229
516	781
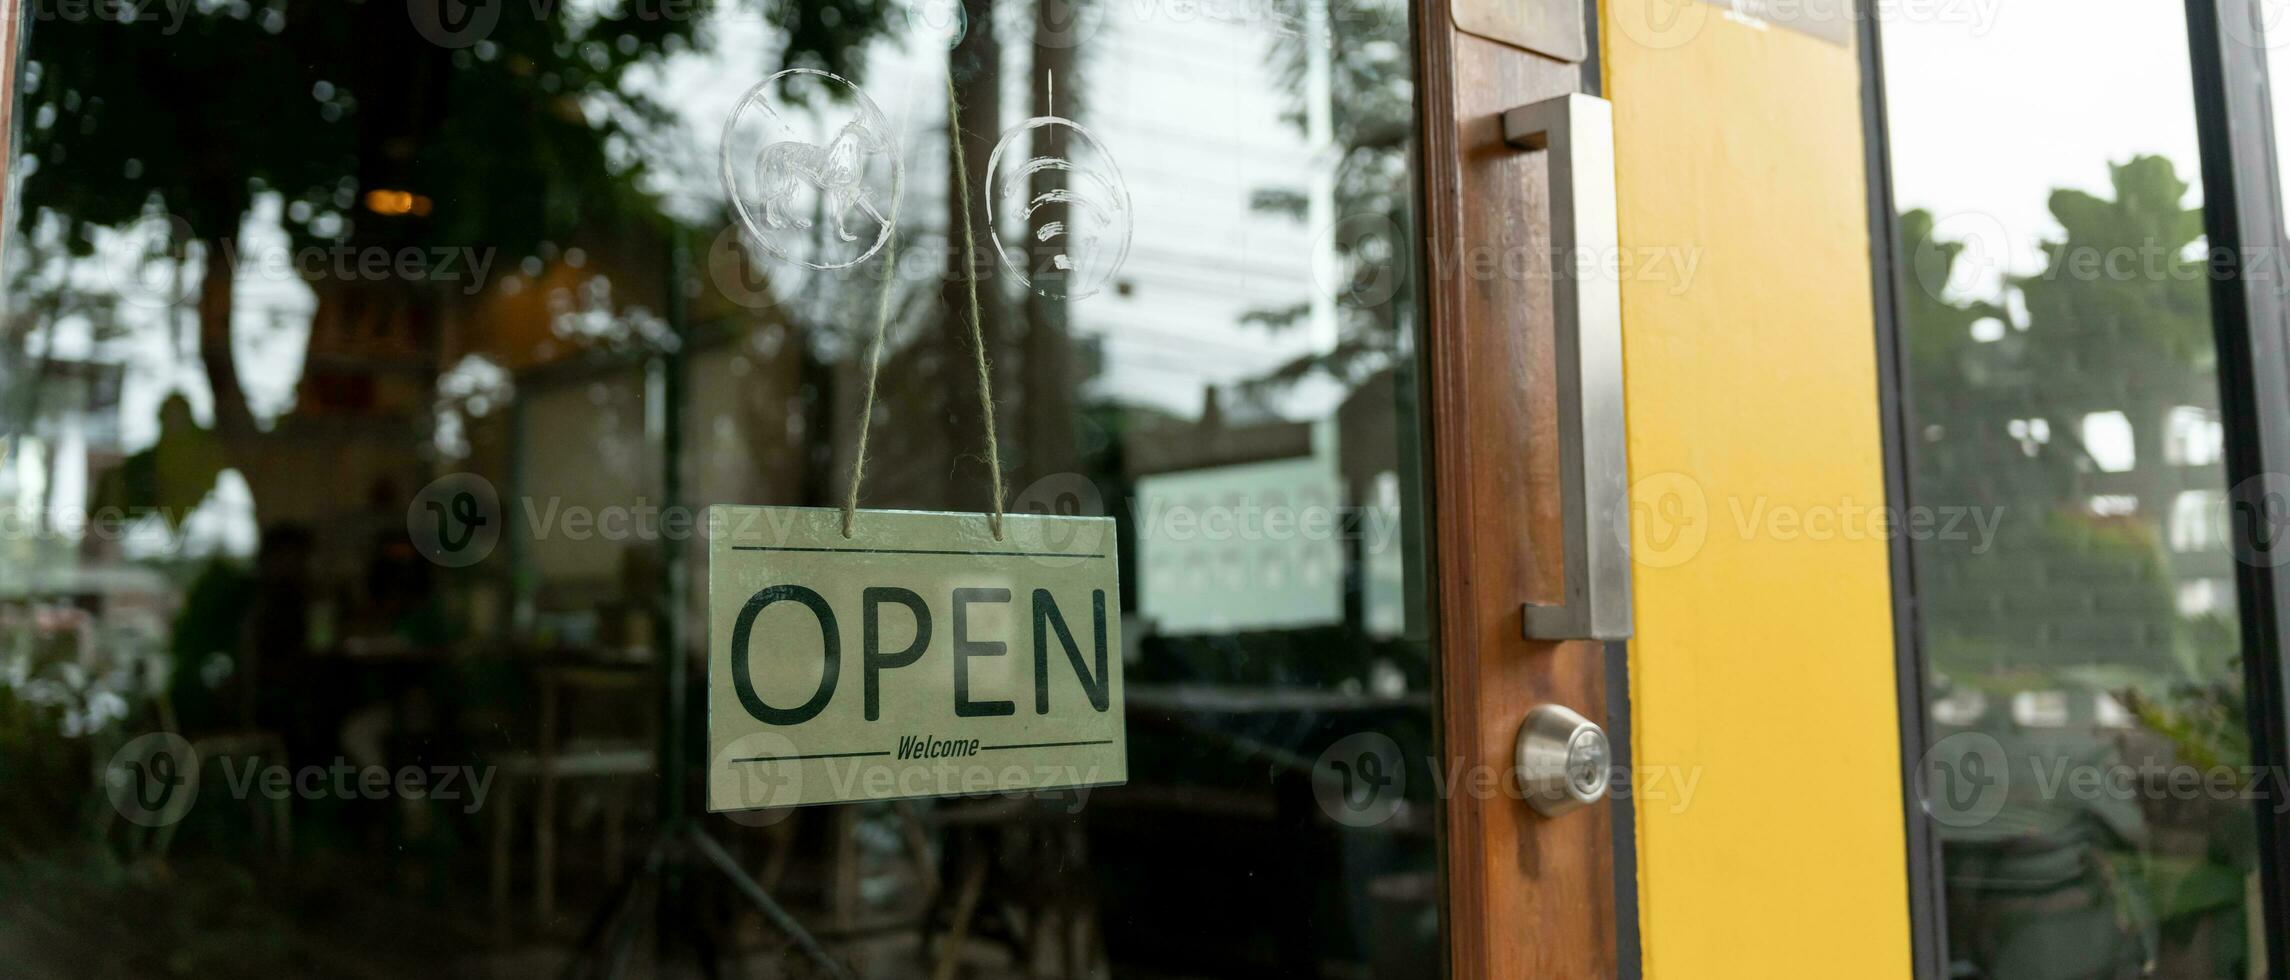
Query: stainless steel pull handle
1577	134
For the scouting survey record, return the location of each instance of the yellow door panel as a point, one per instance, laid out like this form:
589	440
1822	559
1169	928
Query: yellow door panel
1766	729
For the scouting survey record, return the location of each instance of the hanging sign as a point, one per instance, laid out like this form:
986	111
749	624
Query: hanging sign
921	656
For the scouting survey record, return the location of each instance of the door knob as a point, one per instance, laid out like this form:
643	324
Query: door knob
1563	760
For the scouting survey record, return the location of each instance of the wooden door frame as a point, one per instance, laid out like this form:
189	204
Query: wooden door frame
1526	896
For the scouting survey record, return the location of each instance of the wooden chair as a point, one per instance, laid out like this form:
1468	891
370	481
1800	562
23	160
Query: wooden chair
578	747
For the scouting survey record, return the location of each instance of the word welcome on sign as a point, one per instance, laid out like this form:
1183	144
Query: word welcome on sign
919	657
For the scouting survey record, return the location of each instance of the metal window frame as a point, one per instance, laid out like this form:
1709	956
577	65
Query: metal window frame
2243	220
1927	899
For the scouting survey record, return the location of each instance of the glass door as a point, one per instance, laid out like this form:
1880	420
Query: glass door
368	367
2097	755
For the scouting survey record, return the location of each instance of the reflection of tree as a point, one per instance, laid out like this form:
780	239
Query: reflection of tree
975	96
2077	593
928	446
1999	422
41	295
1372	109
517	142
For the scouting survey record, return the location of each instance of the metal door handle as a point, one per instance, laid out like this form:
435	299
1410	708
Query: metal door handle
1563	761
1577	134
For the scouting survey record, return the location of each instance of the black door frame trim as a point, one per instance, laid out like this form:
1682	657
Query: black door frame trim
2242	217
1927	905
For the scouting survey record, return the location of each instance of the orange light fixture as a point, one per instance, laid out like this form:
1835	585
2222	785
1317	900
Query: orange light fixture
395	203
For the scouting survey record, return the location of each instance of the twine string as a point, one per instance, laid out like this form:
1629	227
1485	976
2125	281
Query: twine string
874	358
970	280
977	333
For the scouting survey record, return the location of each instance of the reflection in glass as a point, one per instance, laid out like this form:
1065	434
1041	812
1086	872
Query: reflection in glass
364	363
2088	754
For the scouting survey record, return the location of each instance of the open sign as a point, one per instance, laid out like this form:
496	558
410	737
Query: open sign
922	656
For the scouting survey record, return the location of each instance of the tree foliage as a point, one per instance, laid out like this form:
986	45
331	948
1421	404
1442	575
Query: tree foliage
2117	319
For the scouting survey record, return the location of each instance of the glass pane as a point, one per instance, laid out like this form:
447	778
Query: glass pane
366	364
2089	761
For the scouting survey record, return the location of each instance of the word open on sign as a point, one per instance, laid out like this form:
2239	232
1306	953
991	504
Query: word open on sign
921	656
